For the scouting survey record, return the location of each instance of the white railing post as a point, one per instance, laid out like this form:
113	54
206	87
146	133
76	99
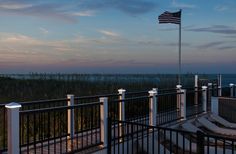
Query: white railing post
152	107
70	116
104	118
178	90
204	98
219	86
231	86
121	93
183	104
196	90
209	93
13	125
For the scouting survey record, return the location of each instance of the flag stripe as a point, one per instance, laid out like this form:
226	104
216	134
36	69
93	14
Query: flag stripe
168	17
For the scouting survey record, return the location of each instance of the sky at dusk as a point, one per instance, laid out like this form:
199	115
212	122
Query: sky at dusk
116	36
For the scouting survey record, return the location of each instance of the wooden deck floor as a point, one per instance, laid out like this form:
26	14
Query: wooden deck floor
79	144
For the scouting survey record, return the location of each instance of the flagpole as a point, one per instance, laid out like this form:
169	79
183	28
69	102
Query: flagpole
179	77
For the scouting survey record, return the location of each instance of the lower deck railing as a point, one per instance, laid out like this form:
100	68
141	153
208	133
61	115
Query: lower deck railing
136	138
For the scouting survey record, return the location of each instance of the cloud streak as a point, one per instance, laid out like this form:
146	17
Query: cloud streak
218	29
109	33
211	44
43	31
176	4
87	13
227	47
133	7
68	12
14	6
42	10
221	8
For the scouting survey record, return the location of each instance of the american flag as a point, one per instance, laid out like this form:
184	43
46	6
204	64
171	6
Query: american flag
170	17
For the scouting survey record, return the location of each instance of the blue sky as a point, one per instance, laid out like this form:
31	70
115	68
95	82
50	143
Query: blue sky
116	36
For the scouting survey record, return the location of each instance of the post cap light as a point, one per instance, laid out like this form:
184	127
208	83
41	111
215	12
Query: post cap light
13	105
120	91
178	86
152	92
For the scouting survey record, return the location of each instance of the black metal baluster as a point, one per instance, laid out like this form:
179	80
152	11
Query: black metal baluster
232	147
177	142
4	128
66	130
34	137
159	141
190	143
127	137
208	145
147	129
123	137
153	139
77	128
142	139
183	142
60	129
132	137
137	131
27	134
41	132
223	146
48	135
54	130
114	137
165	140
215	146
81	128
170	140
119	138
87	126
20	127
91	125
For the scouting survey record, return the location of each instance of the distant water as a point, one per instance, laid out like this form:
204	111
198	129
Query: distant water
228	78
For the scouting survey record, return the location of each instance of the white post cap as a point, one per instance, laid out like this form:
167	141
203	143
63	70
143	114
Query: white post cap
204	87
152	93
178	86
231	84
120	91
13	105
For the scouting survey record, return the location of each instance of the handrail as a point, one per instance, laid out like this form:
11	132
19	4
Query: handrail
45	101
96	96
172	93
128	99
152	127
60	108
137	92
